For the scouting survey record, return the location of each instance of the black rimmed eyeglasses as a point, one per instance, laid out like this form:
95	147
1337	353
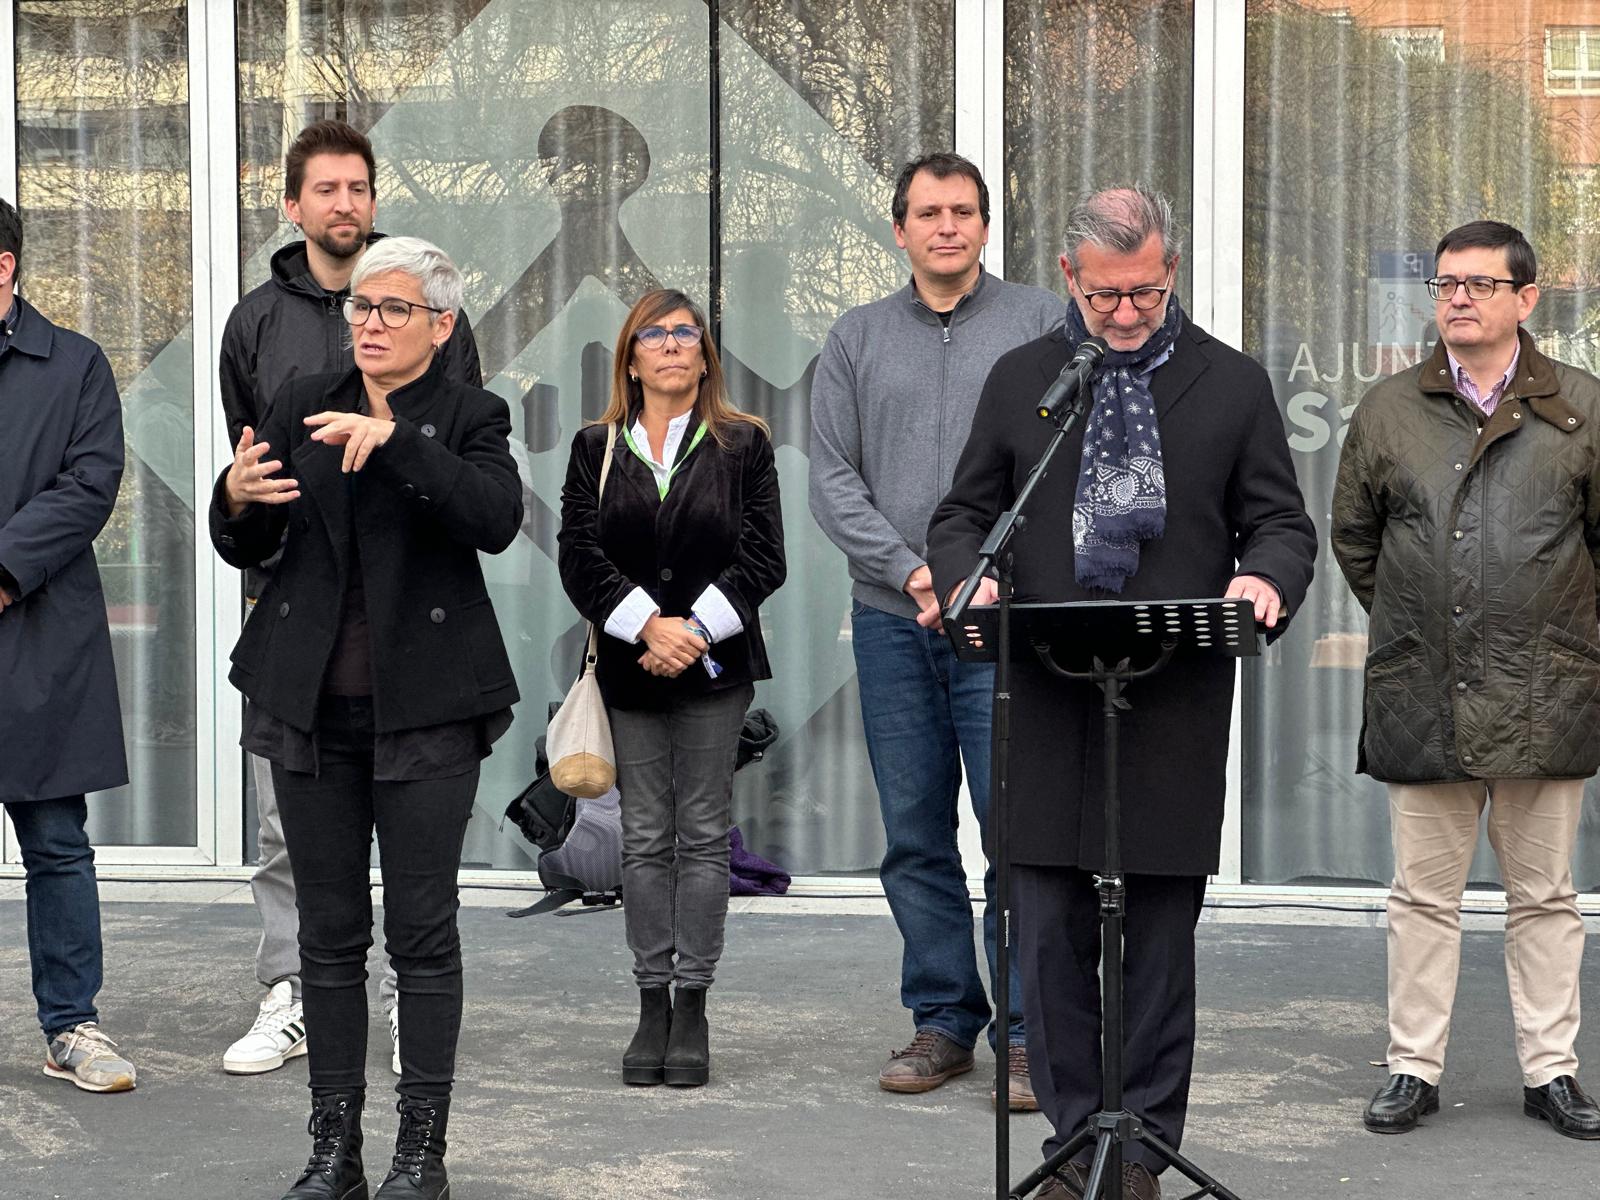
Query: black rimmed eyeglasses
1107	300
393	312
1479	287
653	337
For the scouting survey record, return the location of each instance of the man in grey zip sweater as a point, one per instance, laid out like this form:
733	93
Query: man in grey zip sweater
891	407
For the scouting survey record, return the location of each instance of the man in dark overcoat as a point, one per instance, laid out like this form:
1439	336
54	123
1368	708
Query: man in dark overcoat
1176	484
60	722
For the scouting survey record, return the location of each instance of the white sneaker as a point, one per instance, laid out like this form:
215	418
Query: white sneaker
279	1034
394	1035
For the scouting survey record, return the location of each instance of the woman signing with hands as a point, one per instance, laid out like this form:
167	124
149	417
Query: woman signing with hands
377	680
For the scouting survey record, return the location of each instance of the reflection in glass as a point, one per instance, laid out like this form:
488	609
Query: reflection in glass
1361	150
103	185
821	105
1097	93
594	193
559	217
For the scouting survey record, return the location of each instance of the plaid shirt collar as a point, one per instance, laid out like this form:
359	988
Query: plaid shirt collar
1468	390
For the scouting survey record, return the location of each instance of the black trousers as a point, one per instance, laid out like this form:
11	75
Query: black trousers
1058	917
328	822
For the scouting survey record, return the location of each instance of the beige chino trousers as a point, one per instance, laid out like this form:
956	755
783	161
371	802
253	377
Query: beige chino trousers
1533	824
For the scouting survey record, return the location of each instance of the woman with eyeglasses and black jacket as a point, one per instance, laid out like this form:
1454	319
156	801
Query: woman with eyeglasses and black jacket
672	562
377	680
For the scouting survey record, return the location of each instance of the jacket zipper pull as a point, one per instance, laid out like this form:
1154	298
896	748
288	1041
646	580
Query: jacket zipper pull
947	335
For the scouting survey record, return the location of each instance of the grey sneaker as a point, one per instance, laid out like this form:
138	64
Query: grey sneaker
88	1058
1019	1087
928	1061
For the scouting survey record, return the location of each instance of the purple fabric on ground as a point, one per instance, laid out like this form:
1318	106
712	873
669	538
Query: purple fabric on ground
751	875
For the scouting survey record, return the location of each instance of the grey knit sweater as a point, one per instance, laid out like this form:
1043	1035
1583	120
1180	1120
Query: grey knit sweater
891	407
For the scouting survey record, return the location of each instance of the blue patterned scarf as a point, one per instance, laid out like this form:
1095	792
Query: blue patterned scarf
1122	488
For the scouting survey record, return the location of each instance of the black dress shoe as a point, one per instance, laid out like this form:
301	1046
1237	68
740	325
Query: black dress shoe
1399	1104
1566	1106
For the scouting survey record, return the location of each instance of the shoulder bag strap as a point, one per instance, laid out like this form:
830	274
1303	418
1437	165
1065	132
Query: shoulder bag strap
605	470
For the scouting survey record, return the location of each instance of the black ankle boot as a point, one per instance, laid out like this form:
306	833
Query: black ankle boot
643	1060
688	1061
417	1172
334	1170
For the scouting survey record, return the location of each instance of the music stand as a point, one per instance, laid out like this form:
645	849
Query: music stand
1137	639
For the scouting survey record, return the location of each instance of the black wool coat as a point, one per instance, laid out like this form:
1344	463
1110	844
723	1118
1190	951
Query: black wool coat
721	524
1233	507
441	489
60	467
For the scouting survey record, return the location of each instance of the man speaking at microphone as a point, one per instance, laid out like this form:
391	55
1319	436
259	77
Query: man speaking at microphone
1175	484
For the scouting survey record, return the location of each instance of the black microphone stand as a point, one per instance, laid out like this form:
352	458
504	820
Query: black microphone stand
994	555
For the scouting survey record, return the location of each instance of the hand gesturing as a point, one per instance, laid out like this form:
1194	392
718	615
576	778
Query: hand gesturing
359	435
249	480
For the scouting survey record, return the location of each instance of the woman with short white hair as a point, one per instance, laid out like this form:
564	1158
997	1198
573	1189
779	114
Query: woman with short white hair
377	681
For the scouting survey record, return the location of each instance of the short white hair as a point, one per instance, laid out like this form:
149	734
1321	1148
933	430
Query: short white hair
436	275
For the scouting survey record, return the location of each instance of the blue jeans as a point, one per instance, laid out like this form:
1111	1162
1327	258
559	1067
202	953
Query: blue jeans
925	713
63	909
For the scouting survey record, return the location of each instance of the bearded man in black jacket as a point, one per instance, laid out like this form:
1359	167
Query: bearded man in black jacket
1183	489
292	326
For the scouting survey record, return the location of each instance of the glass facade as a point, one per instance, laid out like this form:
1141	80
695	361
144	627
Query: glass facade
1096	94
1445	114
570	155
102	93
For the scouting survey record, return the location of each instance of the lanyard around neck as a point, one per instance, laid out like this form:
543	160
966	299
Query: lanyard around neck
663	484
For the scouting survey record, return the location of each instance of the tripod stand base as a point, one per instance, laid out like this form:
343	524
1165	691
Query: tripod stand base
1109	1132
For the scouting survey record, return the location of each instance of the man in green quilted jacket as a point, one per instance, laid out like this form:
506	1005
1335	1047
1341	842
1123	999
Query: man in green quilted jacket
1467	520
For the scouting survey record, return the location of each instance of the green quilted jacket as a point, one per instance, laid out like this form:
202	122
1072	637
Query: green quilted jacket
1474	546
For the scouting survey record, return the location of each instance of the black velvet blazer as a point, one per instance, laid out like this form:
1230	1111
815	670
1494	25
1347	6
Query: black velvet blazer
721	524
441	489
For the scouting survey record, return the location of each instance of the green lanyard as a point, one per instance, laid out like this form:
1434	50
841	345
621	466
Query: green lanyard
664	484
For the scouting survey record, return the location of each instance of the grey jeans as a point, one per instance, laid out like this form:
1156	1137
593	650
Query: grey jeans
675	773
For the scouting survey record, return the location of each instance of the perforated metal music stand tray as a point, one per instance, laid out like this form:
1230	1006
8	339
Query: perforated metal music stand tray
1108	629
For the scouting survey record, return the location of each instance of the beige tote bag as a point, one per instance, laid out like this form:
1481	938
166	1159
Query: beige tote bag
583	760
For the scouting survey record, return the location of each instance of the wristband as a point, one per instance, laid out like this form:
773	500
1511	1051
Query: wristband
695	625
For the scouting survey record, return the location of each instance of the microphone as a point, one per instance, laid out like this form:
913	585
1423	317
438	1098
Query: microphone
1073	377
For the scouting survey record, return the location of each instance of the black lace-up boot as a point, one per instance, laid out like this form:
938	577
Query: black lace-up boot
418	1169
334	1169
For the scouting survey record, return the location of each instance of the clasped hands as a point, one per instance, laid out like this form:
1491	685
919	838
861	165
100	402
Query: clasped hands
252	481
672	646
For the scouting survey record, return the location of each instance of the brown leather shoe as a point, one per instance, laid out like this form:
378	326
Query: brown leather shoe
1019	1087
1069	1189
1138	1183
924	1064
